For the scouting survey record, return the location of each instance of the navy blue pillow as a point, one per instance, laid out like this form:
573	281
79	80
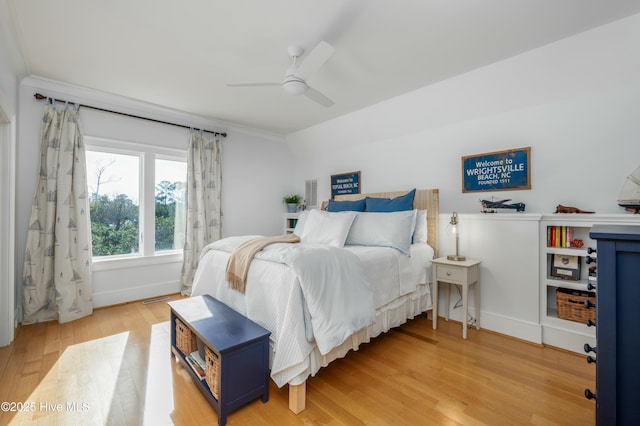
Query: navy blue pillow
398	204
343	206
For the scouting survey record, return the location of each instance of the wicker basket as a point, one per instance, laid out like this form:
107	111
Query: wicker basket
571	306
185	339
212	371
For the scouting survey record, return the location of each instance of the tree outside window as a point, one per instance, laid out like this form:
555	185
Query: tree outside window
114	186
114	209
170	204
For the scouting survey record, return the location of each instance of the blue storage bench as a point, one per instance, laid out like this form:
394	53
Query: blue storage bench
235	351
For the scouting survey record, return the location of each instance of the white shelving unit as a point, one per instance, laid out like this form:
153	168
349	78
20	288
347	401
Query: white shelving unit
290	220
563	333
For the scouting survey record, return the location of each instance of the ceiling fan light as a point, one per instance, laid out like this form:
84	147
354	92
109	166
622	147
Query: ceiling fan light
294	87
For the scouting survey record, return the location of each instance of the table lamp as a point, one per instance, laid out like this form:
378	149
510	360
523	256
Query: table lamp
454	229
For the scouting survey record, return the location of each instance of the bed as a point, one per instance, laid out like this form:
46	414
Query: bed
388	283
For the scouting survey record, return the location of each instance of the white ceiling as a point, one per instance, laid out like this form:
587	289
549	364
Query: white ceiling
181	54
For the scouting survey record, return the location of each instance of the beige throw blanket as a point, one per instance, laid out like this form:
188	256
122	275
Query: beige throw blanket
241	257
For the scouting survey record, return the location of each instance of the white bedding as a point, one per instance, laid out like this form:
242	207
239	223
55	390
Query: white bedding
274	298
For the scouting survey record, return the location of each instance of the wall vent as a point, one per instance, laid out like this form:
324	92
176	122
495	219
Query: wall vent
311	193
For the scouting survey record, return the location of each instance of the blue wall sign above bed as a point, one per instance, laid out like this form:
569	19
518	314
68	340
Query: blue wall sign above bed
345	183
497	171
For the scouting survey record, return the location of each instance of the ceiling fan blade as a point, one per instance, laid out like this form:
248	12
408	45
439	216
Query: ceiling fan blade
318	97
253	84
316	58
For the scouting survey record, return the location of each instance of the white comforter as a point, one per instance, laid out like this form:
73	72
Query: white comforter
334	286
284	296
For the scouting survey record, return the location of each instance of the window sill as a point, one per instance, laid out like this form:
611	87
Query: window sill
124	262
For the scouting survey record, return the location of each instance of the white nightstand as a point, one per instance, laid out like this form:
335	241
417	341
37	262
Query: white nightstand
460	272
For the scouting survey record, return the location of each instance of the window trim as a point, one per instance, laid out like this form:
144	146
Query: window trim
147	155
109	263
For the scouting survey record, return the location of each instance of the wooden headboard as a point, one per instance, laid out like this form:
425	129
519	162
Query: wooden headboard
425	199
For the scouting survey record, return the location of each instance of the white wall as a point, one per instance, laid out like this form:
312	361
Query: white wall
574	102
257	172
507	246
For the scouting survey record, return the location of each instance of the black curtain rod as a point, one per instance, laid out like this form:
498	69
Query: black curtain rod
40	97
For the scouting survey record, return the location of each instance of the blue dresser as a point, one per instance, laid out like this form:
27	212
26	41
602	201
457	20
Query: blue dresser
617	393
236	348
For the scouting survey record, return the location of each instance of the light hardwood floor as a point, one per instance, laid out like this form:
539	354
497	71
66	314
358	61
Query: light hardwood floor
115	368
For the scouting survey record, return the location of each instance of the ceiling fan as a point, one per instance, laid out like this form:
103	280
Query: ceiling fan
294	82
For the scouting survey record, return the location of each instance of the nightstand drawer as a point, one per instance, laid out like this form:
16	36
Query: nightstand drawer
451	273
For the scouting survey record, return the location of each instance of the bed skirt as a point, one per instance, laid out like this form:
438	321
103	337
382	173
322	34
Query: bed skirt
389	316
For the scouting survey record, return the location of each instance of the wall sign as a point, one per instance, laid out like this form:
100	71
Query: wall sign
497	171
345	183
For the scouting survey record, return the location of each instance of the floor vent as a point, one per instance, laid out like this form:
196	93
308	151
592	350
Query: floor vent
157	299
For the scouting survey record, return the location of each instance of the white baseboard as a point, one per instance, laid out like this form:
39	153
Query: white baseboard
514	327
518	328
108	298
566	339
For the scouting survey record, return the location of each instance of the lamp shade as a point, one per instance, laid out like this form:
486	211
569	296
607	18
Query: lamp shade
453	229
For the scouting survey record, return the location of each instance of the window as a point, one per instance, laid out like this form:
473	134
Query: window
170	205
135	192
113	183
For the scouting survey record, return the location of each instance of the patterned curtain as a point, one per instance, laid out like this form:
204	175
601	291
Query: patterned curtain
204	184
57	263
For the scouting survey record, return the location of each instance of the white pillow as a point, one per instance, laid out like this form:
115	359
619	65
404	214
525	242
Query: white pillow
302	217
329	228
420	234
392	229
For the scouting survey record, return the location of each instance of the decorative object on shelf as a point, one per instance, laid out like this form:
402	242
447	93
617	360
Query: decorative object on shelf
565	267
497	171
491	206
577	243
345	183
629	197
292	202
454	229
566	209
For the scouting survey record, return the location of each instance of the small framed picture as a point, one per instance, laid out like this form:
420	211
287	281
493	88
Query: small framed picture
565	267
345	183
